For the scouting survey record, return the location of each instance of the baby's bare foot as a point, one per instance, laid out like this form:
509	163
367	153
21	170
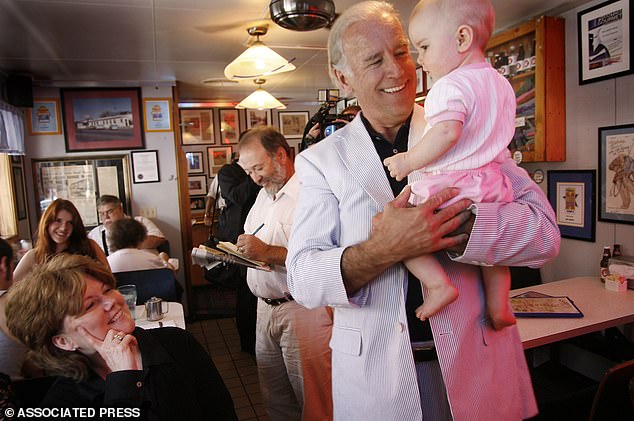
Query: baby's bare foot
435	299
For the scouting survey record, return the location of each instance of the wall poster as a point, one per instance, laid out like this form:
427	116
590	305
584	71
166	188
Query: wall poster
80	181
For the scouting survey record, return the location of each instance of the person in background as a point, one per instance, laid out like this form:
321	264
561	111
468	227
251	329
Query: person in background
77	326
12	352
291	347
347	115
215	204
60	230
110	209
470	111
351	234
239	192
125	235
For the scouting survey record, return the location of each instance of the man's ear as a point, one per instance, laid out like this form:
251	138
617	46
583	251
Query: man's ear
343	82
464	38
64	342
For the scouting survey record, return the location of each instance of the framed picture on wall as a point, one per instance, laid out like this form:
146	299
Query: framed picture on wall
257	118
195	162
197	126
197	185
229	126
197	203
604	40
292	123
45	117
145	168
217	157
571	194
616	174
157	114
102	119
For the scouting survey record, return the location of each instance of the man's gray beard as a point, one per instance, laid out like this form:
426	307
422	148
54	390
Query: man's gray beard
277	180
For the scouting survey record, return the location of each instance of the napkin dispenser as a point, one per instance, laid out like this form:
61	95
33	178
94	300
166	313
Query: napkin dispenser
623	266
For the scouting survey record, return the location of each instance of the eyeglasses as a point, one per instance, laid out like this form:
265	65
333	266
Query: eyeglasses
106	214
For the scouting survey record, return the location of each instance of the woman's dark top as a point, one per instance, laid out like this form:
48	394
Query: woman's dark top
178	382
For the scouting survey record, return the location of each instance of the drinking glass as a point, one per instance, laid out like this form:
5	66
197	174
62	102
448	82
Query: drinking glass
129	295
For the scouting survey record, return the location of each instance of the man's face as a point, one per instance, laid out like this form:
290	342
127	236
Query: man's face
381	74
109	213
265	170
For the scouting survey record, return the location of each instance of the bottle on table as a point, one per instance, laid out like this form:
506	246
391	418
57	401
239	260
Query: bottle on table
616	250
605	261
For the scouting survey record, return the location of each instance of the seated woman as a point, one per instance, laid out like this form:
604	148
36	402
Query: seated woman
77	326
125	236
61	230
12	352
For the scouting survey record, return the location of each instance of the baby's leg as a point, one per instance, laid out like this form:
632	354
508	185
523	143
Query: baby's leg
497	283
440	291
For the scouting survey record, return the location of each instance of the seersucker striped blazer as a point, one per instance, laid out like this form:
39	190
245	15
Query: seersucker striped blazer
343	187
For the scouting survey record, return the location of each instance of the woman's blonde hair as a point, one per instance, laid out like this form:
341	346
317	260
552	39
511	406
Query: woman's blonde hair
37	306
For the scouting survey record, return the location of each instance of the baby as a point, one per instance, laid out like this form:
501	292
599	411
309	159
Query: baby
470	113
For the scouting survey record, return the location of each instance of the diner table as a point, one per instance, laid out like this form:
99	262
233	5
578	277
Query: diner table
173	317
601	309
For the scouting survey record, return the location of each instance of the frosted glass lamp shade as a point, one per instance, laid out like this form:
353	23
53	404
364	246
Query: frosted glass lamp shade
261	99
257	61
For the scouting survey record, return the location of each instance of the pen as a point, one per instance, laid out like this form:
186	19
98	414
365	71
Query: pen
258	229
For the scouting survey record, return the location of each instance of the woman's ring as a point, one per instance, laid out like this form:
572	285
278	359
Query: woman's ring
119	337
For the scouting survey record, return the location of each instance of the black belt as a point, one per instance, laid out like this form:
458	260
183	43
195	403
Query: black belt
277	301
427	354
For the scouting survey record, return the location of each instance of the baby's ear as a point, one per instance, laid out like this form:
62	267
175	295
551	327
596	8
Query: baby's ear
464	38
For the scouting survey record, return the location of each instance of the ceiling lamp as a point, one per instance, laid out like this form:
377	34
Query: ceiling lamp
260	99
302	15
258	60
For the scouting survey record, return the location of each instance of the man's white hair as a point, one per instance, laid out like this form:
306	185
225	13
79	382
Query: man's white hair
360	12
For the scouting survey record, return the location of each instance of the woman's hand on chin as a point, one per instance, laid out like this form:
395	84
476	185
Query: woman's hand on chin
118	349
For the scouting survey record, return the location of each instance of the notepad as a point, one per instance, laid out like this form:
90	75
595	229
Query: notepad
536	304
233	249
210	257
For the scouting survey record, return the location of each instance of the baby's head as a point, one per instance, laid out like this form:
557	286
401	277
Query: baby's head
447	33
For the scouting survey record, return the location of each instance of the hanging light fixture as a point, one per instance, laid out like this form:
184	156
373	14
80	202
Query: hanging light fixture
303	15
260	99
258	60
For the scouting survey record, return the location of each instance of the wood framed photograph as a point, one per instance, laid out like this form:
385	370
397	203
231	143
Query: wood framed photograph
157	114
18	193
217	157
257	118
229	126
616	174
102	119
197	185
197	204
197	126
604	40
195	163
292	123
45	117
82	179
145	168
571	194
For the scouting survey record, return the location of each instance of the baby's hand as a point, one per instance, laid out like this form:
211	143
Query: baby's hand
397	165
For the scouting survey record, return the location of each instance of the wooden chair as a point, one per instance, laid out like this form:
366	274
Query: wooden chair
151	283
613	400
